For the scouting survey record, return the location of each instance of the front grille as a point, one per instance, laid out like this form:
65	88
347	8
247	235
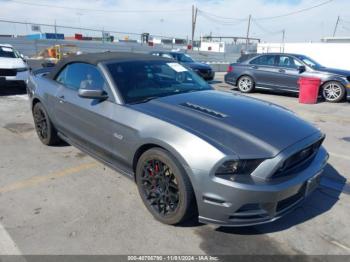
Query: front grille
205	72
8	72
299	160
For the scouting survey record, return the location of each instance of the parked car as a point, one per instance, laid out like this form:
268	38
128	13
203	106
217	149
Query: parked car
204	70
13	68
279	71
192	151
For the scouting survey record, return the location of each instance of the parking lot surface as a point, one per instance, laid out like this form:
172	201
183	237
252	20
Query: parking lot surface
58	200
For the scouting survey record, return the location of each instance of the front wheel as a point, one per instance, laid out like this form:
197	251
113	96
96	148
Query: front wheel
333	92
164	187
246	84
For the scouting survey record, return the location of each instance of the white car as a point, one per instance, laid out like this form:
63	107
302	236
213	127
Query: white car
14	71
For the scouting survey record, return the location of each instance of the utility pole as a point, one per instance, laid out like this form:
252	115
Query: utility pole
194	20
248	31
55	32
283	39
336	26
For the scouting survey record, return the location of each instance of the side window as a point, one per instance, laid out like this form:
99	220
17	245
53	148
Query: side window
167	56
80	75
288	61
264	60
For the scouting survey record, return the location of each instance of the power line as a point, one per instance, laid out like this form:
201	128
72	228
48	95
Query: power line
217	21
296	12
98	10
262	28
222	17
271	17
79	28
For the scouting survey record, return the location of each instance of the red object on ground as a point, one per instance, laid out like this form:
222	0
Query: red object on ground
189	47
78	36
308	90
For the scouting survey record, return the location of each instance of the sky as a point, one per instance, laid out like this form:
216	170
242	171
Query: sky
173	17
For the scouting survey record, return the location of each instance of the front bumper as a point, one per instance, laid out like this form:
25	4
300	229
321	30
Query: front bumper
207	75
348	91
20	79
228	203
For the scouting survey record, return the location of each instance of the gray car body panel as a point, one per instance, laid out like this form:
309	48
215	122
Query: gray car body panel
201	130
283	78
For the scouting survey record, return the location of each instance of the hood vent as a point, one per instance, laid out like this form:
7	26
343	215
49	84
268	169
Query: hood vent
204	110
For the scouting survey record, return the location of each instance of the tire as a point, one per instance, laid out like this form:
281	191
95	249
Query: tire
333	92
44	127
246	84
164	187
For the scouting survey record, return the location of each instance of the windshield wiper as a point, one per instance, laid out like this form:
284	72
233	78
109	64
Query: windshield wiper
145	100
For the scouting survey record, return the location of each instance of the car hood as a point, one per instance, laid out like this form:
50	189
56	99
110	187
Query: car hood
11	63
335	71
197	65
234	123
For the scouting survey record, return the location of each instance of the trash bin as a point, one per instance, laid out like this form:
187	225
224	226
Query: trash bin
308	90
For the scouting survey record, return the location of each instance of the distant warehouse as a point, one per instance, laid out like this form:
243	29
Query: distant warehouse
45	36
336	39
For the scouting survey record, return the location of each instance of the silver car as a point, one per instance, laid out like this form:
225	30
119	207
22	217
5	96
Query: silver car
192	151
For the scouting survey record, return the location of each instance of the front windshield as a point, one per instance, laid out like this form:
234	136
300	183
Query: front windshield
184	58
140	81
7	52
310	62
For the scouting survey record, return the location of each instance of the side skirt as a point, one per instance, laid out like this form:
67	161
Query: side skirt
108	162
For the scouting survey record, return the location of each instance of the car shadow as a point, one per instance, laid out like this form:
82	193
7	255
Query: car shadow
12	90
213	82
319	202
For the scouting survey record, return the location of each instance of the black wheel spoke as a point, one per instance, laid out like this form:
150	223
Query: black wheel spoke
41	123
160	187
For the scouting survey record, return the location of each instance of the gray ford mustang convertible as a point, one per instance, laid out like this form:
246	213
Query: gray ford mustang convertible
193	151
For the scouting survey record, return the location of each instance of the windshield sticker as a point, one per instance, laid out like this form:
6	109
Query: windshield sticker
6	49
177	67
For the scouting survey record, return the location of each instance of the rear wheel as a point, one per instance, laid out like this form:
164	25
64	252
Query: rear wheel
164	187
43	126
246	84
333	92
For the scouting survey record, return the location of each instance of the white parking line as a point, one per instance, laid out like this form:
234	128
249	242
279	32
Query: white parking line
7	245
23	97
339	156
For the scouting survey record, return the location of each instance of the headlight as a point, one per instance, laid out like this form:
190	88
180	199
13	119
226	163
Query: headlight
232	168
23	69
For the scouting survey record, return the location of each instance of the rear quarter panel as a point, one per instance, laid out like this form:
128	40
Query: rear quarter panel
42	89
239	69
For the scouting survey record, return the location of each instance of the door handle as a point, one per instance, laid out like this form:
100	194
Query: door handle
282	71
61	98
254	67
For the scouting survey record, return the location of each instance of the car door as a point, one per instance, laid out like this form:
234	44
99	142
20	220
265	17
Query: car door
288	72
263	70
85	121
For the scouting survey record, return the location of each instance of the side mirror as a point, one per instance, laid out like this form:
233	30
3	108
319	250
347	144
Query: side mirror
302	69
23	58
92	94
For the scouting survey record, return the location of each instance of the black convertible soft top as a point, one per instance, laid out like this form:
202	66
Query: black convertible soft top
96	58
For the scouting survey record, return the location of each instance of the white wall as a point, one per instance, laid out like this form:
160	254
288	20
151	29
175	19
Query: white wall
213	46
335	55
